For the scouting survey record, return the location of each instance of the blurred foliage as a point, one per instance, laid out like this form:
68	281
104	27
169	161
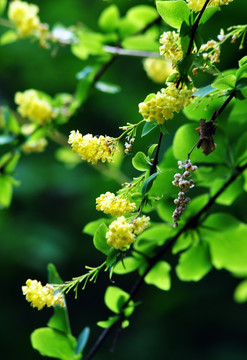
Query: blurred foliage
53	204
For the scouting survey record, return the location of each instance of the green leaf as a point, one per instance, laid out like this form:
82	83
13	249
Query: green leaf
60	319
151	150
148	127
3	4
159	276
108	88
155	236
208	13
184	241
99	239
6	191
194	263
82	340
230	194
140	162
55	344
242	83
108	323
204	91
90	43
53	275
6	139
127	265
140	42
186	137
109	18
85	77
142	15
115	298
148	183
112	256
186	63
242	61
224	83
91	227
227	239
173	12
241	72
8	37
241	149
240	293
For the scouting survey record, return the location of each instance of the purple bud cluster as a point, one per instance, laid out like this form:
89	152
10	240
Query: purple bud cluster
184	183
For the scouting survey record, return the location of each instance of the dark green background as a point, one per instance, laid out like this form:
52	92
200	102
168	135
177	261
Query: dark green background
50	208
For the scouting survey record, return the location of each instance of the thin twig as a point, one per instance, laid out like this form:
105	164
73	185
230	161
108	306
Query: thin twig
195	26
169	243
129	52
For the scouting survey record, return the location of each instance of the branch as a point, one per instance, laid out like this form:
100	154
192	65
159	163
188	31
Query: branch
195	26
127	52
190	224
155	162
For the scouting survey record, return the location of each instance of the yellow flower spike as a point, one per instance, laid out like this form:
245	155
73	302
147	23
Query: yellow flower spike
92	148
157	70
111	204
40	296
171	47
196	5
140	224
24	16
166	102
120	234
35	108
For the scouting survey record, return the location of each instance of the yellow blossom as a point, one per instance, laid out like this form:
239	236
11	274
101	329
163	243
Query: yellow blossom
140	224
111	204
25	17
157	69
40	296
167	101
92	148
34	146
196	5
120	234
35	108
171	47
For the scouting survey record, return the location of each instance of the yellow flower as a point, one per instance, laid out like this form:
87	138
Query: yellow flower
120	234
92	149
34	146
171	47
140	224
40	296
157	69
196	5
167	101
24	16
111	204
35	108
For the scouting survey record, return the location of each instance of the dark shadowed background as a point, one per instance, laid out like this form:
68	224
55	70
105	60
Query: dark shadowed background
53	203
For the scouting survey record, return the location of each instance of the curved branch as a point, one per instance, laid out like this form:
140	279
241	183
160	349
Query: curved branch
190	224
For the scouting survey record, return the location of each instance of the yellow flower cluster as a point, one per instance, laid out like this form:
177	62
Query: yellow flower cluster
171	46
162	106
122	233
40	296
111	204
34	146
196	5
35	108
140	224
24	16
157	69
92	148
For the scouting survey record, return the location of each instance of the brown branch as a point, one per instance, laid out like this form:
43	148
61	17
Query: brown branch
193	222
195	26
